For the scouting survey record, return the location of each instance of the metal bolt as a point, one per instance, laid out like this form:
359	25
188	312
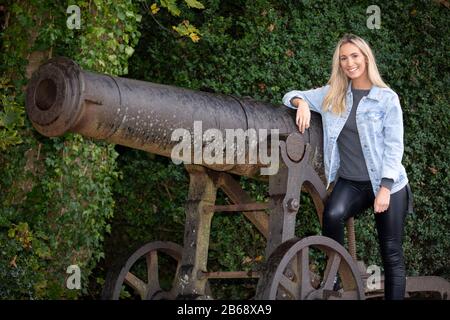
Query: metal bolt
293	204
289	274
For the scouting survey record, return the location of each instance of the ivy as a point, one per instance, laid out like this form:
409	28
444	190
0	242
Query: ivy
11	116
56	194
184	28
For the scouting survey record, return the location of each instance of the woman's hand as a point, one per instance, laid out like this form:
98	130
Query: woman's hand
382	199
303	114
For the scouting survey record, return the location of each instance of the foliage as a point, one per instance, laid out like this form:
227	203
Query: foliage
184	28
56	194
11	116
150	197
53	215
108	37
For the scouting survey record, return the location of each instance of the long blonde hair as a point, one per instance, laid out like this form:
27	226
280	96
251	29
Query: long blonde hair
339	81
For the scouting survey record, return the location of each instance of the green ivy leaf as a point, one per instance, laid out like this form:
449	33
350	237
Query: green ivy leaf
121	16
12	233
10	118
129	50
195	4
171	6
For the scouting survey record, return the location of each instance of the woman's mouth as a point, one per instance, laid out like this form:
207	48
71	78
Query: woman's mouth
353	69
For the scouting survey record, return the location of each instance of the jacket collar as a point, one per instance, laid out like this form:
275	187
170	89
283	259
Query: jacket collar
374	93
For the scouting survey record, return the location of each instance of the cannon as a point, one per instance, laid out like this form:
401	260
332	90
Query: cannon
61	97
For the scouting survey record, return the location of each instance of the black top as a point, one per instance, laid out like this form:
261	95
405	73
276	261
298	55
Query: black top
353	166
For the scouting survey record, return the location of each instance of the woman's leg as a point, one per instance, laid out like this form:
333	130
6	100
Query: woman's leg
347	199
390	237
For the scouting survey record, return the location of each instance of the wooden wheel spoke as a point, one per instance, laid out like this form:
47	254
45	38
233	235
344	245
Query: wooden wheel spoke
152	270
331	270
175	278
137	284
304	272
290	286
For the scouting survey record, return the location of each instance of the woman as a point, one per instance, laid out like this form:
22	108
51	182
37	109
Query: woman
363	149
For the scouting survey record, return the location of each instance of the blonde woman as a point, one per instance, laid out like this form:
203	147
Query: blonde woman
363	149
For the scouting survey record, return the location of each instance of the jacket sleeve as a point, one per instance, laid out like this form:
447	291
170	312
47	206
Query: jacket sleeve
313	97
393	141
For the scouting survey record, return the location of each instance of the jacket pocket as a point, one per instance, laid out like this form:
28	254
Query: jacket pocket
374	120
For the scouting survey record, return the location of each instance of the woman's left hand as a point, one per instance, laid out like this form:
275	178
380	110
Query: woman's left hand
382	199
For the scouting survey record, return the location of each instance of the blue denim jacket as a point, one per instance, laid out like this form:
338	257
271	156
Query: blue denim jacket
379	121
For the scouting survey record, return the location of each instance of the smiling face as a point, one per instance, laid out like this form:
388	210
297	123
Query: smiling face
353	62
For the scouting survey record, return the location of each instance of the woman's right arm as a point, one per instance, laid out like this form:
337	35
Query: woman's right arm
313	97
303	101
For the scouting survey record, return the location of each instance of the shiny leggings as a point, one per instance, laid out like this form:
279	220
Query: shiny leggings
350	198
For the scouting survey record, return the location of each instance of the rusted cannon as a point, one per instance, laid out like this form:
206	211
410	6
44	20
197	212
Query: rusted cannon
63	98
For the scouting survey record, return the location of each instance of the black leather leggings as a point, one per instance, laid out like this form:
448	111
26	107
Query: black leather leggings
350	198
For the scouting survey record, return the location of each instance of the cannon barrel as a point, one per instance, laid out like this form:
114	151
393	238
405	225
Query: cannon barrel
61	97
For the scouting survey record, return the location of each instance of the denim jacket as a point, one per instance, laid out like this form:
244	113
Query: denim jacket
379	121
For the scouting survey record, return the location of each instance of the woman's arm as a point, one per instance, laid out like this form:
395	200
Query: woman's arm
313	98
392	154
393	141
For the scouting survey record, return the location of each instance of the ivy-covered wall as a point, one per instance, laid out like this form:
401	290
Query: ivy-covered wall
55	194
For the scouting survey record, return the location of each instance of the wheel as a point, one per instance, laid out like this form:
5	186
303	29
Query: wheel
306	269
145	262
